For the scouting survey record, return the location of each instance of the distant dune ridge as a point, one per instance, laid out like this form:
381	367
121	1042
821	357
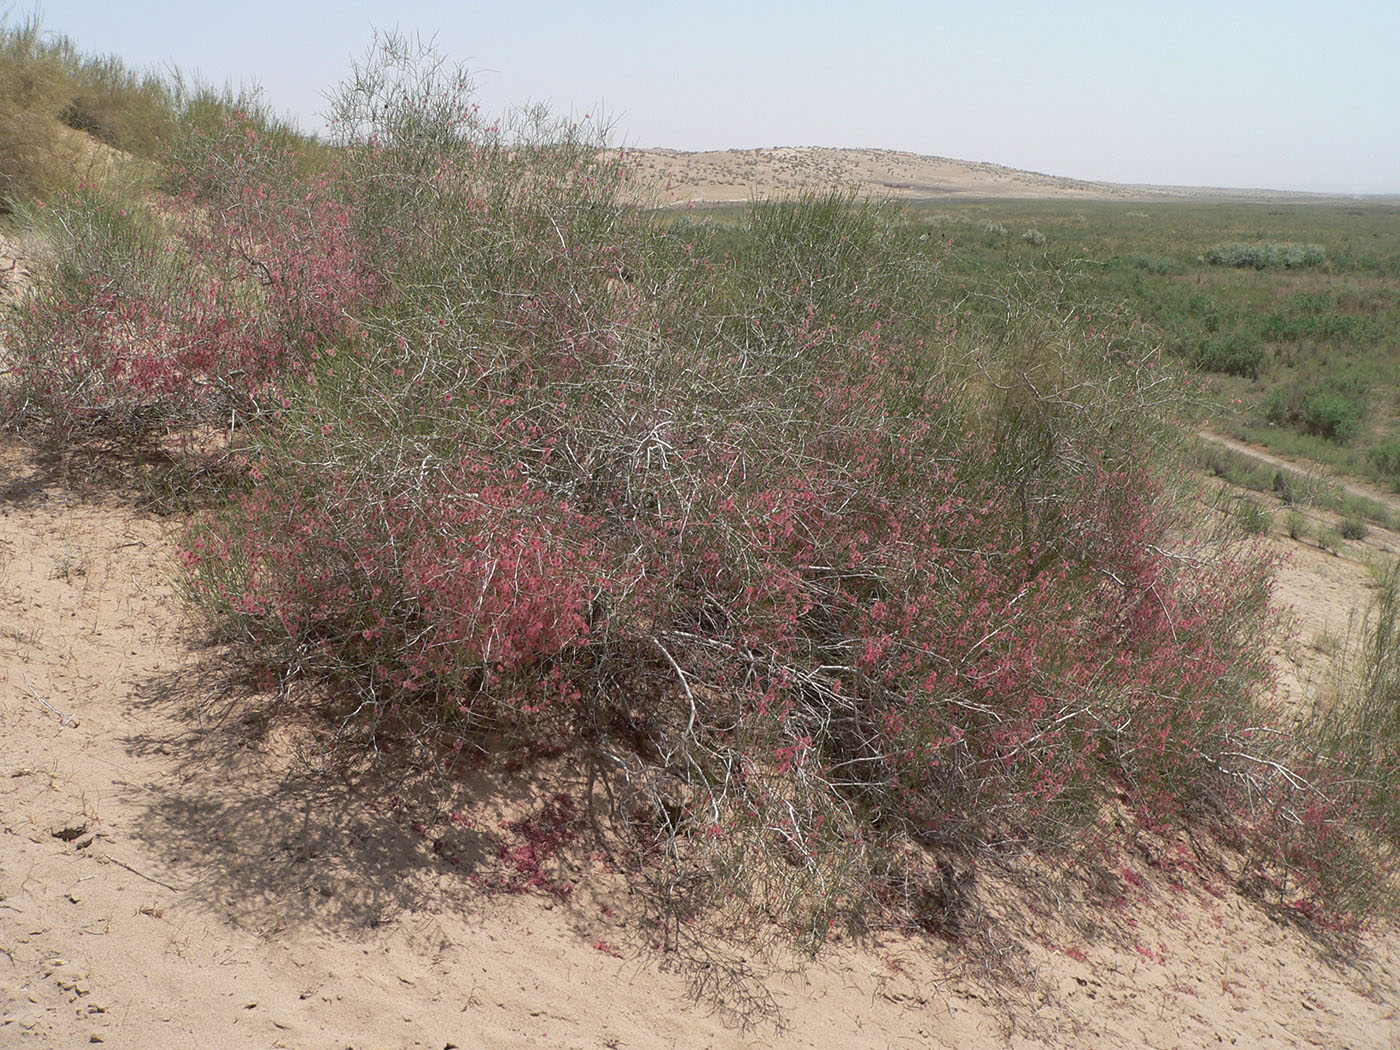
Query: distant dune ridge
719	176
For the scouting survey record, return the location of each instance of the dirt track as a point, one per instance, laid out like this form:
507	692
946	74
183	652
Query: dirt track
1307	470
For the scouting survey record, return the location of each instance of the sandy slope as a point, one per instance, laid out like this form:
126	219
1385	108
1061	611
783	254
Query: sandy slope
170	876
680	178
1323	594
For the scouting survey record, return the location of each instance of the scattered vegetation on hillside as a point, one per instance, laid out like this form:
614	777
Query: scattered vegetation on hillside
59	110
1295	339
69	118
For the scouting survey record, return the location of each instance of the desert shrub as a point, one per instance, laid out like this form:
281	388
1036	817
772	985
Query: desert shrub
1331	414
1034	238
1238	354
1200	305
1283	405
860	569
161	317
1385	457
1268	255
96	348
1332	409
263	229
503	298
1156	264
1296	524
819	270
879	566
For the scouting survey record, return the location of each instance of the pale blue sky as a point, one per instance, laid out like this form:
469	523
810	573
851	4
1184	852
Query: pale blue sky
1281	94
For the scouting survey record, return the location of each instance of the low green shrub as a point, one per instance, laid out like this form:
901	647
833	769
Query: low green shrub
1331	414
1352	529
1252	517
1238	354
1269	255
1333	409
1156	264
1385	458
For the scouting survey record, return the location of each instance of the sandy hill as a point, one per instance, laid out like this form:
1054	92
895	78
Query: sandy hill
739	175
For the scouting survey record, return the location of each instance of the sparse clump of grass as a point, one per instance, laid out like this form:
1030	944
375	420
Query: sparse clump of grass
1155	264
1296	525
1352	528
1361	729
1385	458
1329	539
1252	517
1231	466
1364	508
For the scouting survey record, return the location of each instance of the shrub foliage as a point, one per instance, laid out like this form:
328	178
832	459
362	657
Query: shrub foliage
1268	255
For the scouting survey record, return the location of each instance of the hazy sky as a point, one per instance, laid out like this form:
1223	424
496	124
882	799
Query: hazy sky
1258	93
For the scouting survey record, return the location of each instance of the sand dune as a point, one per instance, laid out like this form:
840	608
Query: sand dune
679	178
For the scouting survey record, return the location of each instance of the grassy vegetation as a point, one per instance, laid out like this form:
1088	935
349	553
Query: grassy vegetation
1361	730
67	117
60	108
1296	353
1294	485
845	546
1300	358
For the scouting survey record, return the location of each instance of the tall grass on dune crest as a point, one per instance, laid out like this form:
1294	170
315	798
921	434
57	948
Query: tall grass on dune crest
59	109
69	119
836	574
